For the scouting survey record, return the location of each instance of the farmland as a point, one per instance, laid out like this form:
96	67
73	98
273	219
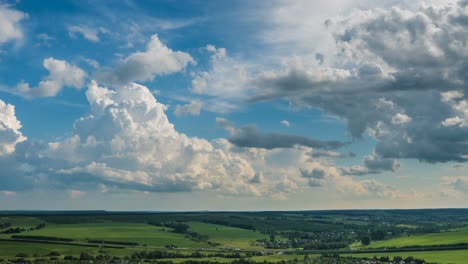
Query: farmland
143	234
442	257
443	238
228	236
436	236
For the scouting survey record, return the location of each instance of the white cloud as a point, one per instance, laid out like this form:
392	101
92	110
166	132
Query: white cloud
459	107
61	74
89	33
193	108
400	118
285	123
128	141
10	28
92	62
156	60
226	82
10	126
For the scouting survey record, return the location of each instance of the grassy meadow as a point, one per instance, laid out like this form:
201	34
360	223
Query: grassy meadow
11	249
430	239
227	236
143	234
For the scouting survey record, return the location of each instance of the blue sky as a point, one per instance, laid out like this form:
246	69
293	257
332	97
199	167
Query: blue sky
232	105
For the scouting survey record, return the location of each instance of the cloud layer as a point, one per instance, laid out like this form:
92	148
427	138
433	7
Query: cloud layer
394	74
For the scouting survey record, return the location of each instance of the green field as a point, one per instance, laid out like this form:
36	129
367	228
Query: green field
21	221
407	226
234	235
10	249
142	234
280	257
227	236
442	257
431	239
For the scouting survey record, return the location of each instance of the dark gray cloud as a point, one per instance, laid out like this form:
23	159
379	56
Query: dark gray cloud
326	154
249	136
373	164
315	173
315	177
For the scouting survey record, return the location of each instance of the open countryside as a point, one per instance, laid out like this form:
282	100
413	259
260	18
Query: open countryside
385	236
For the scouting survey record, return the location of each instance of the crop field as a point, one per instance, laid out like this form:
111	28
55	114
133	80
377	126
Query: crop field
431	239
11	249
143	234
441	257
228	236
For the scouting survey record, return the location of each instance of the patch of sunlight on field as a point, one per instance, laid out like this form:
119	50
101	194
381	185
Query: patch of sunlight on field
180	260
443	238
407	226
232	237
280	257
142	234
442	257
271	258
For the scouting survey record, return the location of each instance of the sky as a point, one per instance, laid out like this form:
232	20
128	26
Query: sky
233	105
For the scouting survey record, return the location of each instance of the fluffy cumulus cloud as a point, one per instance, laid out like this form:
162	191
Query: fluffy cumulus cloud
10	126
156	60
127	141
382	62
61	74
10	28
